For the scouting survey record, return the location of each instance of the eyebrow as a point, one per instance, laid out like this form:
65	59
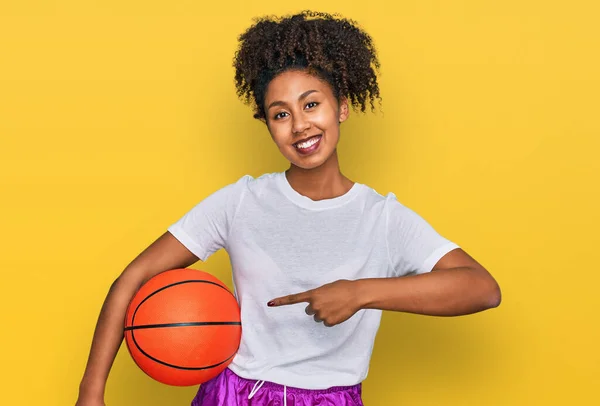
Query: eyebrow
281	103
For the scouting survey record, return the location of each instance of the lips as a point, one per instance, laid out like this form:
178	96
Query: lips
312	149
305	139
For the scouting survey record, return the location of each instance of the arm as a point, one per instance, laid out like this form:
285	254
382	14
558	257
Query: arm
457	285
164	254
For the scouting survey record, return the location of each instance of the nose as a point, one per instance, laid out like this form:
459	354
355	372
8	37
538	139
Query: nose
300	124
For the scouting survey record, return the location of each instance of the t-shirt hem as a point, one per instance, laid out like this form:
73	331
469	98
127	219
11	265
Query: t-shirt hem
436	256
295	381
183	237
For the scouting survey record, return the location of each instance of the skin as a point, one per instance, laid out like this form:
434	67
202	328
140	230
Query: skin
458	285
297	106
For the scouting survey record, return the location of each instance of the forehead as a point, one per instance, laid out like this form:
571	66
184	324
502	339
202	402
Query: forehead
291	84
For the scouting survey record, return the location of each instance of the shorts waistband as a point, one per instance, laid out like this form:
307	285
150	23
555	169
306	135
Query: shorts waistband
291	389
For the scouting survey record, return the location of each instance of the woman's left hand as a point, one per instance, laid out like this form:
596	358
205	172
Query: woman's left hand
332	303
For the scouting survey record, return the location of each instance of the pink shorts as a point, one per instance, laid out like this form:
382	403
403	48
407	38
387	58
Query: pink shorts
228	389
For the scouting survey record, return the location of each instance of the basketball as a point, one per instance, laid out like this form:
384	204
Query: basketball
183	327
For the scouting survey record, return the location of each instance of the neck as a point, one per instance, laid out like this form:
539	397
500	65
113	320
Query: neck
323	182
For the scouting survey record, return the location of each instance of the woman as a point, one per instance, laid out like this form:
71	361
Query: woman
315	256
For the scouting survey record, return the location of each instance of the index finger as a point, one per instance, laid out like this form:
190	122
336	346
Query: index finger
291	299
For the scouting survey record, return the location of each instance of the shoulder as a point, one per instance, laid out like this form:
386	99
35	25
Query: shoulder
386	201
395	212
258	185
247	184
251	182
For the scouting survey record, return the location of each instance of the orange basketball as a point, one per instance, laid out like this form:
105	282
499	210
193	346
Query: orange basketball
183	327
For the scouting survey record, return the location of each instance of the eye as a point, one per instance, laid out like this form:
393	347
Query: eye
312	104
279	115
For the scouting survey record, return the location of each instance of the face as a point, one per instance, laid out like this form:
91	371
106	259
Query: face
301	106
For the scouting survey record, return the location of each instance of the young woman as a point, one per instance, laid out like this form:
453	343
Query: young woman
315	256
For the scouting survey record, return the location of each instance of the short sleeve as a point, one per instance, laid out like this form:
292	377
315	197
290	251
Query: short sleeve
205	228
414	246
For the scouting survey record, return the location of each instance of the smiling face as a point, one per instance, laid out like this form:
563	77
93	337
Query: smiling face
300	107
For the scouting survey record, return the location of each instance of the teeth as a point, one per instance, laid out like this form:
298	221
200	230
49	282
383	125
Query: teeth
308	143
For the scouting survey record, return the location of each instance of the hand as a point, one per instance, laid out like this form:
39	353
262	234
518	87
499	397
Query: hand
332	303
81	402
86	400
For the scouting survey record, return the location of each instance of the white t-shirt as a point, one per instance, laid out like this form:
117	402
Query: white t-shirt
281	242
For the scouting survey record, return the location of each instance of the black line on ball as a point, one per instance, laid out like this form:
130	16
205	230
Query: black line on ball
190	324
133	327
178	366
170	286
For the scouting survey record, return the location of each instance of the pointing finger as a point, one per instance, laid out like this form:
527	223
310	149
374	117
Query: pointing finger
291	299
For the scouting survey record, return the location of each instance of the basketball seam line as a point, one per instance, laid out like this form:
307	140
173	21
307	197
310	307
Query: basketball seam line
185	324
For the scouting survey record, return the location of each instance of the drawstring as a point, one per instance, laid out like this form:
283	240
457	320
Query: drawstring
255	389
257	386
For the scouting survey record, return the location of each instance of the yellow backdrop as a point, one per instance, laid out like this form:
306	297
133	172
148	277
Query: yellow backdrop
117	117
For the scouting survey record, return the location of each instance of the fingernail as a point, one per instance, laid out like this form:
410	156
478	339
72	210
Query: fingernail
271	303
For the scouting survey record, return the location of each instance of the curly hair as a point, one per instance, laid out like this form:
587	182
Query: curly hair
333	48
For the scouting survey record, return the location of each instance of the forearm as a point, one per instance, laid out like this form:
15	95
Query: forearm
108	336
448	292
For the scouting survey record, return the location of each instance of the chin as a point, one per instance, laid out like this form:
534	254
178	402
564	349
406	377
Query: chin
310	163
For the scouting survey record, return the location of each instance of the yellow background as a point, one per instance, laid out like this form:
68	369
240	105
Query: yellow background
117	117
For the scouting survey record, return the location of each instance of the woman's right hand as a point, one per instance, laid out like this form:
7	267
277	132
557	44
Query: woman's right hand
89	401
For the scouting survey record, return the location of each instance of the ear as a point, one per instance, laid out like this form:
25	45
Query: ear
343	110
265	121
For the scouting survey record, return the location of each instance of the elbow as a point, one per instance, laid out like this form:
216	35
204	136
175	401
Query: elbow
493	295
129	282
488	294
